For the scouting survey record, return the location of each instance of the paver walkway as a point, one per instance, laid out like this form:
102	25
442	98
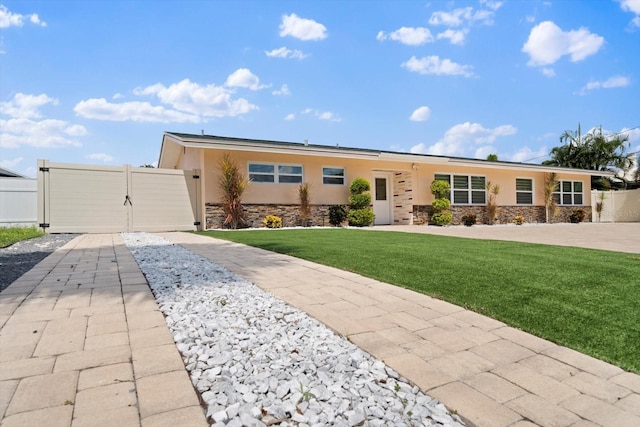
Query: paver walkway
82	343
491	374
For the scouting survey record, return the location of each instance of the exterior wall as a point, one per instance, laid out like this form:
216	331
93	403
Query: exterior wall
410	183
403	198
255	213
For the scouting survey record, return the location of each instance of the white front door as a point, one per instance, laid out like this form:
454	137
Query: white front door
382	199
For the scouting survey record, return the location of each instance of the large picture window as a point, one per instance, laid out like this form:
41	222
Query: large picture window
466	189
271	173
569	193
524	191
333	176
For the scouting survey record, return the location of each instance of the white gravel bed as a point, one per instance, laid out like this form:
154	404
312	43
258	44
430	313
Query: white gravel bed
257	361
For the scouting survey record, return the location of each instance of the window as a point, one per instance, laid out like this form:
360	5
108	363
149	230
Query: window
524	191
467	190
333	176
568	193
270	173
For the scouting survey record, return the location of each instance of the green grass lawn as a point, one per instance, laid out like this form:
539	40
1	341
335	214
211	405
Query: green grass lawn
9	236
584	299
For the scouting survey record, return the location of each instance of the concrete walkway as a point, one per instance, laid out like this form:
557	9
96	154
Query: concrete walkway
82	343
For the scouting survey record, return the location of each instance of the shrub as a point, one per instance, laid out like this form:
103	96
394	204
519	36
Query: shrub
518	220
442	218
359	186
360	214
360	217
440	189
232	185
441	204
359	201
304	194
576	216
469	220
337	215
272	221
492	207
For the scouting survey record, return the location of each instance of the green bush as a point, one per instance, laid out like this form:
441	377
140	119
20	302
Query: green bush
576	216
441	204
272	221
442	218
360	201
337	215
469	220
440	189
360	217
359	185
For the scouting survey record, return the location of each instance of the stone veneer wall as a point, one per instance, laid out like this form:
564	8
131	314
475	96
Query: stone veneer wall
402	198
506	214
255	213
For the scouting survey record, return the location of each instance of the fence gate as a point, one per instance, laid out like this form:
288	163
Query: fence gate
76	198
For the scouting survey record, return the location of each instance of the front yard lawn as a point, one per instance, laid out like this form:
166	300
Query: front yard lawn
11	235
584	299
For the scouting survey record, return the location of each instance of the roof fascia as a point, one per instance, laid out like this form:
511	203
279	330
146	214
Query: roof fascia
526	166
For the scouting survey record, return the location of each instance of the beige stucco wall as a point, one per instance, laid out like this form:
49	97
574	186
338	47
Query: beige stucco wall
421	178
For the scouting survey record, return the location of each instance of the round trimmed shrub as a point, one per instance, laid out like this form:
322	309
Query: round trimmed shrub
359	201
360	217
440	189
442	218
441	204
359	185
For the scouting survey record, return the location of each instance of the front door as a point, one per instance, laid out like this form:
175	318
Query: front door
381	200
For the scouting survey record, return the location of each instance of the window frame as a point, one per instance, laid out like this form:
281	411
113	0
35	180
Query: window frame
276	172
470	190
343	177
532	191
560	193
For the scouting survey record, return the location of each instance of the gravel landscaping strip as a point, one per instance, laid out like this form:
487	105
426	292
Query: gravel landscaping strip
22	256
257	361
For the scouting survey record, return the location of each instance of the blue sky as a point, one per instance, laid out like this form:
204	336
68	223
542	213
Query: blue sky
99	81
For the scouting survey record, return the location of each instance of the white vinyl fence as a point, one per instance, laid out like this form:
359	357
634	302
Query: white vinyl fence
617	206
18	202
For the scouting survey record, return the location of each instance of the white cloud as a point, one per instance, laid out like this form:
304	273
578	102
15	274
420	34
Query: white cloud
491	4
117	96
464	16
322	115
290	116
483	152
302	28
26	106
437	66
103	157
549	72
526	154
10	19
455	36
284	52
284	90
421	114
243	77
11	164
610	83
461	139
49	133
408	35
192	98
530	19
101	109
632	6
547	43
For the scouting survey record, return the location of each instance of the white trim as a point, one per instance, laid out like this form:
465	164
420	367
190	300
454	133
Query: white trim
276	173
561	193
389	202
344	175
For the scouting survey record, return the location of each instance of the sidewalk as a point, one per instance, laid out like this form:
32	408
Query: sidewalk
491	374
83	344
